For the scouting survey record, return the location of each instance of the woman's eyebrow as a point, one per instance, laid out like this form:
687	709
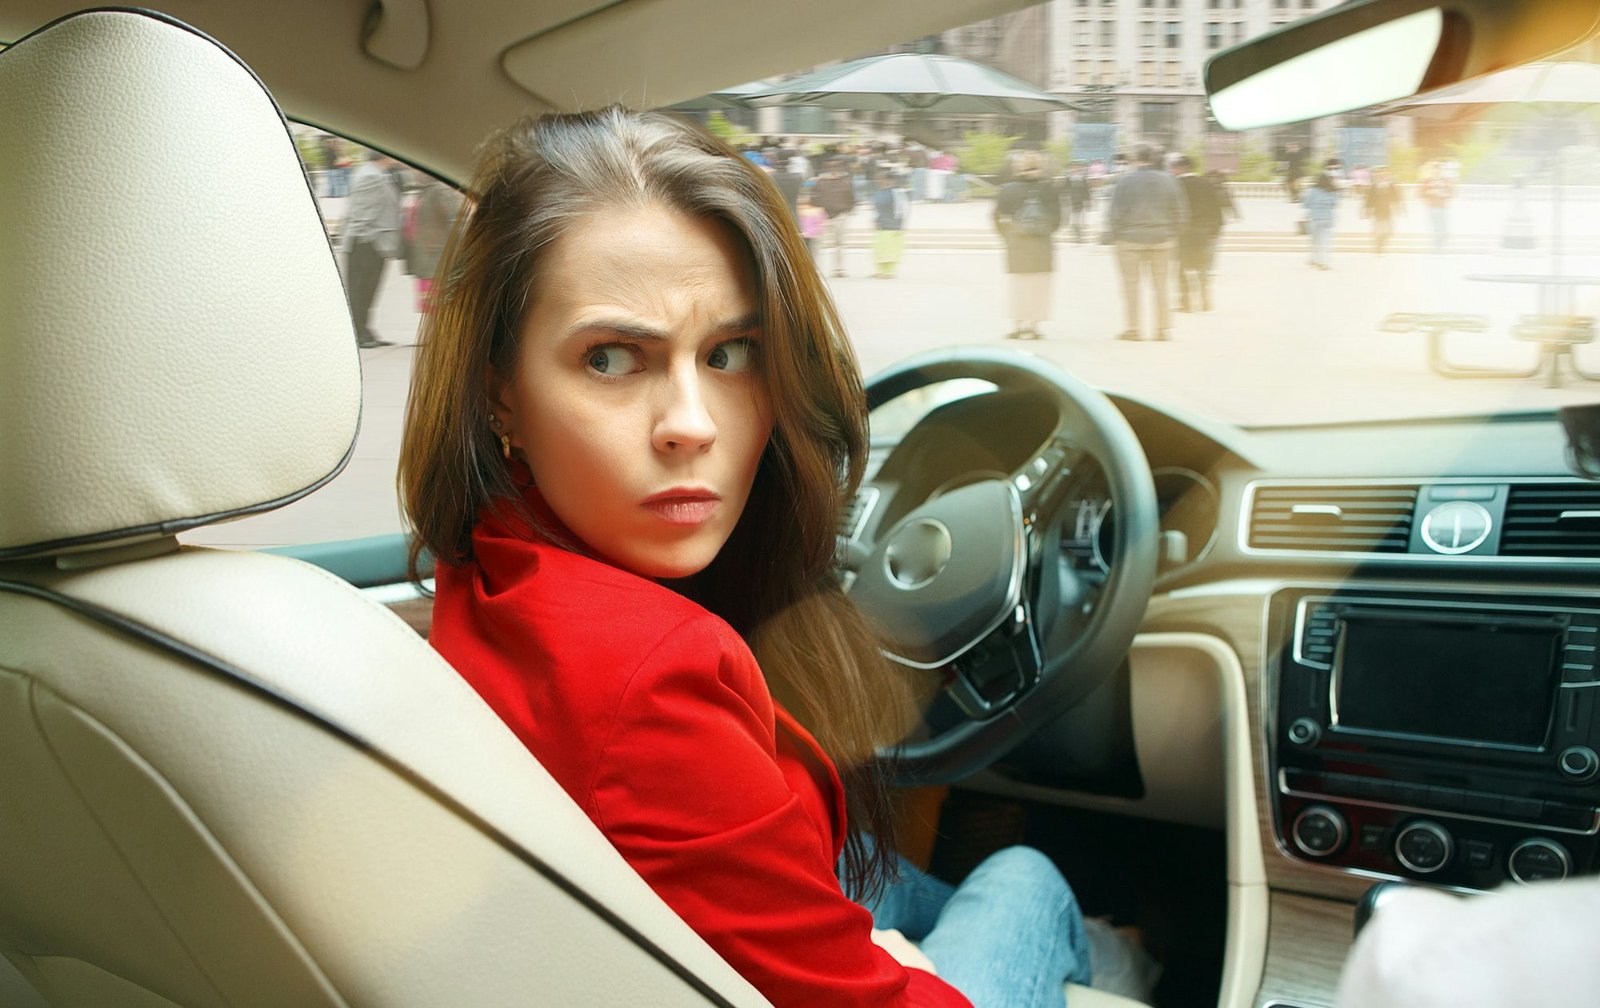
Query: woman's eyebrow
643	333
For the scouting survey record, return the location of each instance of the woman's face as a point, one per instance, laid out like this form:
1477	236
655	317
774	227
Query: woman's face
638	398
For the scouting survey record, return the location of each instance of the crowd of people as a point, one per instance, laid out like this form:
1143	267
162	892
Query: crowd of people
1161	215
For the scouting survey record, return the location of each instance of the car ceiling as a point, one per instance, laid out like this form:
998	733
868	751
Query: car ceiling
430	79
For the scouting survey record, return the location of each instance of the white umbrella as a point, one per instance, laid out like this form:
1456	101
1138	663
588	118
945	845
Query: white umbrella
913	82
736	97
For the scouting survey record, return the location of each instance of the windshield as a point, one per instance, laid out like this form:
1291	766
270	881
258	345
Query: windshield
1426	262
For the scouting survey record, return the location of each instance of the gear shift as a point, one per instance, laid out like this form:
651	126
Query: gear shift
1373	899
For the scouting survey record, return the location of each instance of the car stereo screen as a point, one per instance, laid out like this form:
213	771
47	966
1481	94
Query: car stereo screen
1446	680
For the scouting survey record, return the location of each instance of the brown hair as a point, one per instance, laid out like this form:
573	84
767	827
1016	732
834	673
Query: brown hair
775	580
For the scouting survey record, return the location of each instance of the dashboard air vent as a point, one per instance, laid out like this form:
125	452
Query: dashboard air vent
855	513
1353	519
1552	520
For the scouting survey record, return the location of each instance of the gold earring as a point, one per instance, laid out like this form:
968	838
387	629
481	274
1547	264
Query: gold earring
505	446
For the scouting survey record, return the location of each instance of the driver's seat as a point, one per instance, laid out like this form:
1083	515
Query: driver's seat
228	778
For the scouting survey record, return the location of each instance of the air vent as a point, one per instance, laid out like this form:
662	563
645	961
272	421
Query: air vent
855	513
1346	519
1552	520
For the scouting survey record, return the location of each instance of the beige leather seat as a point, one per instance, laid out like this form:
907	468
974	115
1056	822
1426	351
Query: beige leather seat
228	778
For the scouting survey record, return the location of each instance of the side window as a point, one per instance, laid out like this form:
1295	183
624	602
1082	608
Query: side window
388	223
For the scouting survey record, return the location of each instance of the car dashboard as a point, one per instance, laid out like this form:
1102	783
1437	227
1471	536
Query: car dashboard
1407	612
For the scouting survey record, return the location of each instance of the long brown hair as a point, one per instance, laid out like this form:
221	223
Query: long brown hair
775	579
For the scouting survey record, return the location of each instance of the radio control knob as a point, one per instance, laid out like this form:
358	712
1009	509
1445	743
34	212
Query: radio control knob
1538	859
1304	732
1579	763
1424	847
1319	831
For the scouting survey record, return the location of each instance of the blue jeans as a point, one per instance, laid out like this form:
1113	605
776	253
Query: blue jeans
1321	242
1008	937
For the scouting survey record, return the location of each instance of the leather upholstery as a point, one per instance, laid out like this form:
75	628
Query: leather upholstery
169	292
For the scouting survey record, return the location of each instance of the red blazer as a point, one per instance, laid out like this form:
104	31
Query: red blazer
653	715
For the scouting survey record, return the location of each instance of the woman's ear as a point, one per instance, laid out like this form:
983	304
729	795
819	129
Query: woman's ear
497	391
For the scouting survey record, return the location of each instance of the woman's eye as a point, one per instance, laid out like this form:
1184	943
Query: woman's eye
613	360
734	355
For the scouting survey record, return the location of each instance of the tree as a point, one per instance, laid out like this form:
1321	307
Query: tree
984	153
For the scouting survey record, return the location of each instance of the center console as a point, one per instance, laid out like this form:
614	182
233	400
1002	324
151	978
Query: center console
1437	736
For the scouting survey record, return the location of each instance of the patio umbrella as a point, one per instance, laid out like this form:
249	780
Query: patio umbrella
735	97
912	82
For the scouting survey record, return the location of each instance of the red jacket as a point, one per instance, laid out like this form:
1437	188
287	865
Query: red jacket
653	715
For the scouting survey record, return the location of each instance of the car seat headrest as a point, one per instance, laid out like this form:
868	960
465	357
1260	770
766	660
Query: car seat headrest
175	344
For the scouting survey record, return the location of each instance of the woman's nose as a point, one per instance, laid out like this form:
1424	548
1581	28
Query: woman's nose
684	423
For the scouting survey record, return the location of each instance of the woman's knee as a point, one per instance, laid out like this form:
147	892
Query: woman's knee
1025	866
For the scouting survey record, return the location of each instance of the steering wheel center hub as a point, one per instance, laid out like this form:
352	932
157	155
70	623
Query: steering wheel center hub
917	553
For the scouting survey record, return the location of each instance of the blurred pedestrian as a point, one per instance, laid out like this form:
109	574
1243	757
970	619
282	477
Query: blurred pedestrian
1437	190
370	237
428	223
1147	213
1294	165
1027	212
813	223
1077	186
888	236
788	179
1197	238
835	194
1382	203
1320	198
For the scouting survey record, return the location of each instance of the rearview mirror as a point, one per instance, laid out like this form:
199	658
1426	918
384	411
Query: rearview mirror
1366	52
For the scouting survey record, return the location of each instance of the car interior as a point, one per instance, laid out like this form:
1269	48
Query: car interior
1232	677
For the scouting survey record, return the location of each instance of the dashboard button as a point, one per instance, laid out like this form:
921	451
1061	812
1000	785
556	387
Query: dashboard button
1522	809
1477	853
1319	831
1537	860
1579	763
1375	837
1424	847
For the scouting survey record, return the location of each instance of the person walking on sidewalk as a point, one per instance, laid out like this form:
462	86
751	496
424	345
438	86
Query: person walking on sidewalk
1027	211
888	238
1382	203
1320	197
1437	190
1147	213
1198	237
835	194
370	237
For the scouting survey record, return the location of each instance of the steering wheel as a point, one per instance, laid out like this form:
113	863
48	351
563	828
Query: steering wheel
970	583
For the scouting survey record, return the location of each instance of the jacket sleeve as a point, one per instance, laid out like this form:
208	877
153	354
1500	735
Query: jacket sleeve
689	790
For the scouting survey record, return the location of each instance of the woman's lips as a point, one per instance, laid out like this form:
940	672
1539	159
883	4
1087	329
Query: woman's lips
683	510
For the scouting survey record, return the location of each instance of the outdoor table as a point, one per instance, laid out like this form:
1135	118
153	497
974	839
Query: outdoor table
1556	328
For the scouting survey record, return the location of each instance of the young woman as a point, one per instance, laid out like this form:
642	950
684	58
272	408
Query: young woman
634	420
1320	198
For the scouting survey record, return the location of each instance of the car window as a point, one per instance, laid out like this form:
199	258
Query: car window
362	195
1374	265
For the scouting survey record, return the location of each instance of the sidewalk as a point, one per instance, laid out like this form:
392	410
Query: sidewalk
1478	223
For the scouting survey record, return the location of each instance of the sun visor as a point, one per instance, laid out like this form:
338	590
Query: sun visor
649	53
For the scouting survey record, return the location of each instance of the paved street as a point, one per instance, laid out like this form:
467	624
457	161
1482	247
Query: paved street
1285	343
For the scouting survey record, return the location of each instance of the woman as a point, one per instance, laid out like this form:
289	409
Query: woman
1027	211
889	237
634	420
1320	198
